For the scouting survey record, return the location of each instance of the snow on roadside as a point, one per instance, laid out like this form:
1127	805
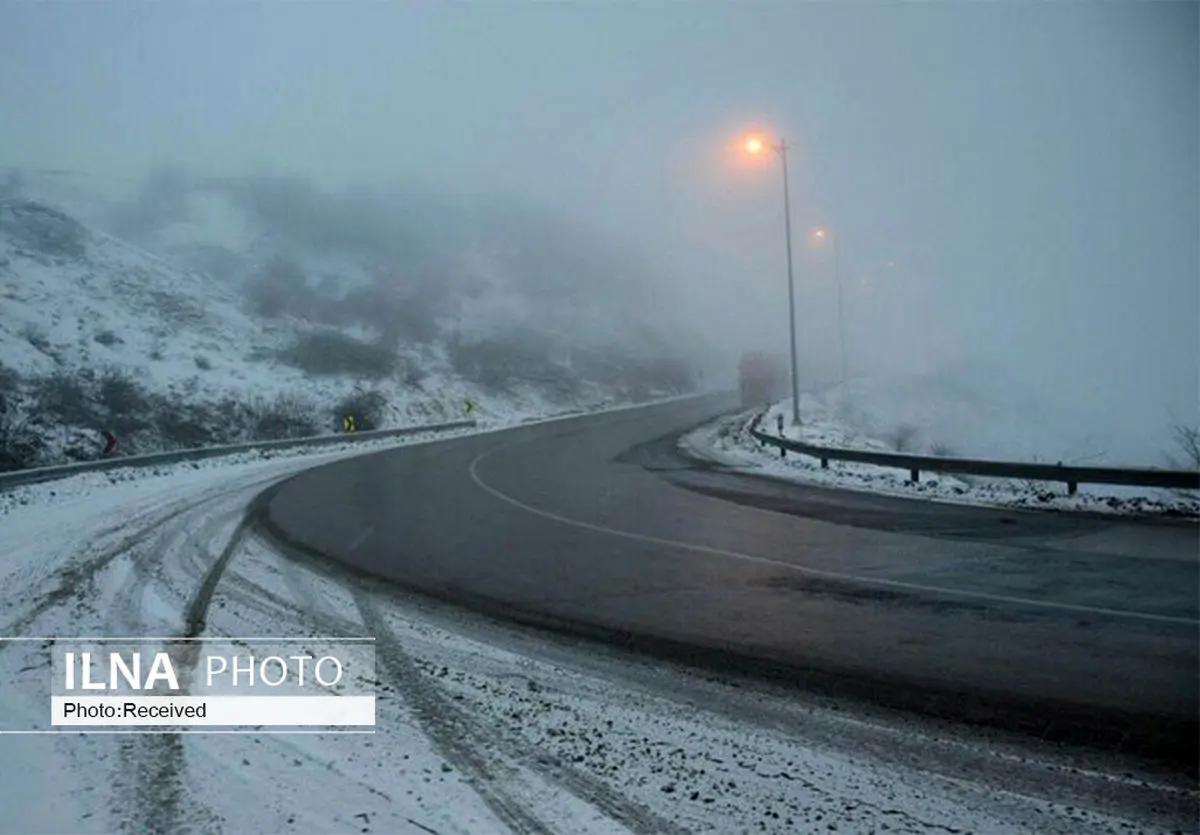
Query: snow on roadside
122	553
728	441
581	747
153	477
577	748
394	780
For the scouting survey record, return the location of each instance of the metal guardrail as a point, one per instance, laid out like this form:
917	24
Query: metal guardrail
36	475
915	464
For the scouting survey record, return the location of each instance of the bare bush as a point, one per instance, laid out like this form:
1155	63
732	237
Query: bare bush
10	381
183	426
903	437
124	405
21	445
285	417
365	407
940	450
1187	441
64	398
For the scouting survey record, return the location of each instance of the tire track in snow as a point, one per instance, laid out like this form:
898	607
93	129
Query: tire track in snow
157	800
461	738
444	725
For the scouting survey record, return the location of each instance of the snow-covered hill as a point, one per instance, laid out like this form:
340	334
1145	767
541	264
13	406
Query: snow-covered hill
233	309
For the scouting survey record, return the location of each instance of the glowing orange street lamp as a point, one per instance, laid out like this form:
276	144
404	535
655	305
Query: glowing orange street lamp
758	144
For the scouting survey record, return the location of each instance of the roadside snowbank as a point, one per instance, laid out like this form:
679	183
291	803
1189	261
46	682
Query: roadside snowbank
728	441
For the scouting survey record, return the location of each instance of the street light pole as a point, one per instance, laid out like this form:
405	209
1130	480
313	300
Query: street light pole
781	149
756	145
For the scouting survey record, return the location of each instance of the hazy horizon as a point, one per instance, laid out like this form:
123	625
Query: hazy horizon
1011	185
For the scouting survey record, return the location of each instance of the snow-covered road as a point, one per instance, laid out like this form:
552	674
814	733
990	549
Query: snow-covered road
481	727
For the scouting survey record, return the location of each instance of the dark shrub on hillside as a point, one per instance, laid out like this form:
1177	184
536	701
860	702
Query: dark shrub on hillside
902	437
184	426
330	353
118	394
285	417
122	404
366	407
231	413
63	398
20	445
10	381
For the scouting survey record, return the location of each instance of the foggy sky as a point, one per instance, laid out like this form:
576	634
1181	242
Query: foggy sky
1030	170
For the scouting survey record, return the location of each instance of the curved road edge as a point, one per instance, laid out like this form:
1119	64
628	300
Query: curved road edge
345	513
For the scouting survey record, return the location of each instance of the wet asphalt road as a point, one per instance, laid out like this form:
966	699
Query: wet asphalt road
1078	628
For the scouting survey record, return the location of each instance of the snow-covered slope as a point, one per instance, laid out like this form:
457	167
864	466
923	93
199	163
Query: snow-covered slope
74	297
234	309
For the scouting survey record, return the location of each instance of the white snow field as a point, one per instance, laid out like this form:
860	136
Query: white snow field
481	727
923	416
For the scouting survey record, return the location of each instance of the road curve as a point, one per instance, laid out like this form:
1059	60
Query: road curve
1076	628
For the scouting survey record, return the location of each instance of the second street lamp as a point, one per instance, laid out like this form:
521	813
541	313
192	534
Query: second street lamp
757	145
